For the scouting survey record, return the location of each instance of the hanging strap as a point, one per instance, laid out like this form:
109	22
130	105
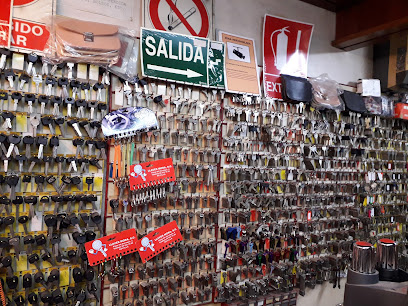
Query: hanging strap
132	151
117	162
2	296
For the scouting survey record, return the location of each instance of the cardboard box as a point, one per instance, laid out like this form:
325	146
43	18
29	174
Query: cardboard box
391	63
369	87
401	111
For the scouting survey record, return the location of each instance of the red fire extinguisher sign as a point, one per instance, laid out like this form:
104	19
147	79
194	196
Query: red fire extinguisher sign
286	50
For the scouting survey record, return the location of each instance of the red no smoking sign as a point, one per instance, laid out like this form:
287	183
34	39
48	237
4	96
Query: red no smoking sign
181	16
23	2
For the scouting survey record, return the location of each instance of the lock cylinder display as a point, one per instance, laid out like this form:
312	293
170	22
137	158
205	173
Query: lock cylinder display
363	258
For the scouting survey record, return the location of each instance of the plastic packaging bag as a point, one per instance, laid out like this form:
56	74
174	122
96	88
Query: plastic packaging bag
74	40
126	67
326	94
373	105
387	106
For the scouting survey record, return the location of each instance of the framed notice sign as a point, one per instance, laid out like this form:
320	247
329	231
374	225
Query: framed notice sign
241	74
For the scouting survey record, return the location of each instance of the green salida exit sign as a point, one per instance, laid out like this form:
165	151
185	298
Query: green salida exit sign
176	57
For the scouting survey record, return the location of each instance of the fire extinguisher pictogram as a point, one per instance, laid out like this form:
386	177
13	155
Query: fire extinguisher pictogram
280	53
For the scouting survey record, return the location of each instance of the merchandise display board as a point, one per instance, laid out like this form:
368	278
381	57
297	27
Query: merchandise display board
154	170
52	179
188	136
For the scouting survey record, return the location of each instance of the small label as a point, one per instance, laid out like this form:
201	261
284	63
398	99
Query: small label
36	222
82	71
93	73
119	96
216	45
200	43
17	62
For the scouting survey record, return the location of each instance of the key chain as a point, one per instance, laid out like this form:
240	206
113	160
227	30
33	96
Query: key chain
238	232
102	268
226	249
251	246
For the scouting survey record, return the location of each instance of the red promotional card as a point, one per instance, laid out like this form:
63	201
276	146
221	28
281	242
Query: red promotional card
30	32
151	174
158	241
112	246
5	22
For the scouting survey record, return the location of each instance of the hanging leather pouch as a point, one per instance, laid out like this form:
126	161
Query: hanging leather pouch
354	102
296	89
85	40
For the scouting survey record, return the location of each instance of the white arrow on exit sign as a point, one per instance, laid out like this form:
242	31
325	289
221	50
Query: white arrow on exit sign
189	73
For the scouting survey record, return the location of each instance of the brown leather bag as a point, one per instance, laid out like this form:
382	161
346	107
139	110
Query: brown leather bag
86	41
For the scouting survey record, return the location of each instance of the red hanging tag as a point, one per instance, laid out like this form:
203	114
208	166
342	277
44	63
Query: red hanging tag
240	261
151	174
110	247
253	215
158	241
263	269
267	244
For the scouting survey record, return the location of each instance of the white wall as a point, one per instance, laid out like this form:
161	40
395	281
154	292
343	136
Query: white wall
245	17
